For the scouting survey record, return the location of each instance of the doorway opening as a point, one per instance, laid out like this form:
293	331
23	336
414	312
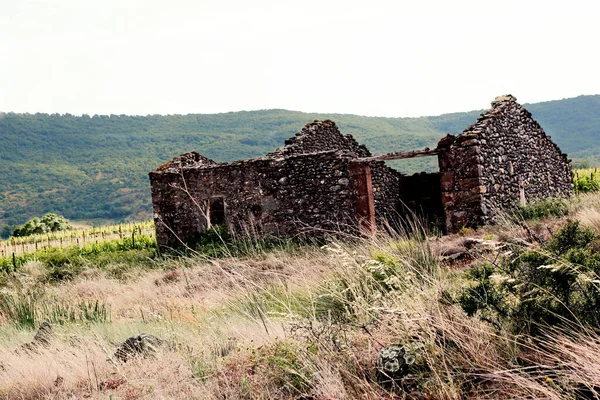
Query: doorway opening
216	211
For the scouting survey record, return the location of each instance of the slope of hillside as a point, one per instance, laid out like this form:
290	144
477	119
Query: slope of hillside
96	167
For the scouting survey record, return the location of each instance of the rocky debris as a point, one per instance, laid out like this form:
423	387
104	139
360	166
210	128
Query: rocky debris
457	253
42	338
111	384
192	159
393	362
466	249
504	98
142	345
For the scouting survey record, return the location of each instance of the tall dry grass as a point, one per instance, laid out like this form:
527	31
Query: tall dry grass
292	324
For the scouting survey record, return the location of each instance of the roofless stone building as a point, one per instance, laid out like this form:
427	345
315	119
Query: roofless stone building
322	182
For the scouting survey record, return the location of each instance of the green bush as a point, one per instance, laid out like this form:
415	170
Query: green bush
282	363
48	223
552	207
557	284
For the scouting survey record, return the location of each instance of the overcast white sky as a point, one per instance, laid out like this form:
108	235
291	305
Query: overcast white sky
380	58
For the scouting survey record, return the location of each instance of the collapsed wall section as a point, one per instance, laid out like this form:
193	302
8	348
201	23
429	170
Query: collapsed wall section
320	136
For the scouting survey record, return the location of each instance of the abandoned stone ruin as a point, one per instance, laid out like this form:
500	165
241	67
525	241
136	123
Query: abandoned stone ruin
324	182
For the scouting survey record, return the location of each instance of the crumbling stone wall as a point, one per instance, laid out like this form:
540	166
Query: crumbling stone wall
310	193
320	136
386	190
305	187
191	159
504	159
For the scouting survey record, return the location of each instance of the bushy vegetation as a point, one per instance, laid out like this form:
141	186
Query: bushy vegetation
533	289
217	242
552	207
38	226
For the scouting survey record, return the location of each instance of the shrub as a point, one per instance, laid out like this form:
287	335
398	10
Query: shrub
556	284
552	207
48	223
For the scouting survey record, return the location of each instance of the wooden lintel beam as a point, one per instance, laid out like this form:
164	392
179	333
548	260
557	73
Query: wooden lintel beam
402	154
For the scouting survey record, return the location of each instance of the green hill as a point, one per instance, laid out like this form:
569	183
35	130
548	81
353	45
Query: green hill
95	168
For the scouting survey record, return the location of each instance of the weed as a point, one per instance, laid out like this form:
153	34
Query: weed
29	310
553	207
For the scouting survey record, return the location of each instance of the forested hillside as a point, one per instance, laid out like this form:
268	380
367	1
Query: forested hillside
95	168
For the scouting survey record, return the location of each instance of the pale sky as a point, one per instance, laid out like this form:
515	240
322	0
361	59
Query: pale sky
378	58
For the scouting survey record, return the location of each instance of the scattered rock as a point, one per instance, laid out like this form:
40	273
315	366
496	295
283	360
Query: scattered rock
42	338
469	243
111	384
142	345
169	277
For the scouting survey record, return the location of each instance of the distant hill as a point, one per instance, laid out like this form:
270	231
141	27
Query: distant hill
95	168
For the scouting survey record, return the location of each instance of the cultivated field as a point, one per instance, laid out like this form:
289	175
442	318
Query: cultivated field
77	237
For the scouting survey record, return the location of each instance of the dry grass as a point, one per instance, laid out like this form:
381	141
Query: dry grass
288	325
590	217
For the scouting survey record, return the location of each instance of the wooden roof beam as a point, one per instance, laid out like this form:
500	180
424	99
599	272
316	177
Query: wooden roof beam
402	154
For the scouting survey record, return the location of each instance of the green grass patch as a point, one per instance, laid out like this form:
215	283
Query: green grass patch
553	207
586	180
27	311
218	243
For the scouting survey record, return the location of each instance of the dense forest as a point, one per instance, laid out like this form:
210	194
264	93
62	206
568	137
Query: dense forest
94	168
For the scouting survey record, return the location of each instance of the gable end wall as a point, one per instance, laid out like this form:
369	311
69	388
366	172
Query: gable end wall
503	160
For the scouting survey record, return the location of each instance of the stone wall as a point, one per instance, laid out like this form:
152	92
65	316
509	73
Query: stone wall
320	136
502	160
386	190
307	193
304	187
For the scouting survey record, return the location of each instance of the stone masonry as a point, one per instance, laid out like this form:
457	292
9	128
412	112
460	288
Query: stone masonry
298	189
323	182
504	159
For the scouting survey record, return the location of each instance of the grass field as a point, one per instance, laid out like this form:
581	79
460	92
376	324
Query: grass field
480	314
